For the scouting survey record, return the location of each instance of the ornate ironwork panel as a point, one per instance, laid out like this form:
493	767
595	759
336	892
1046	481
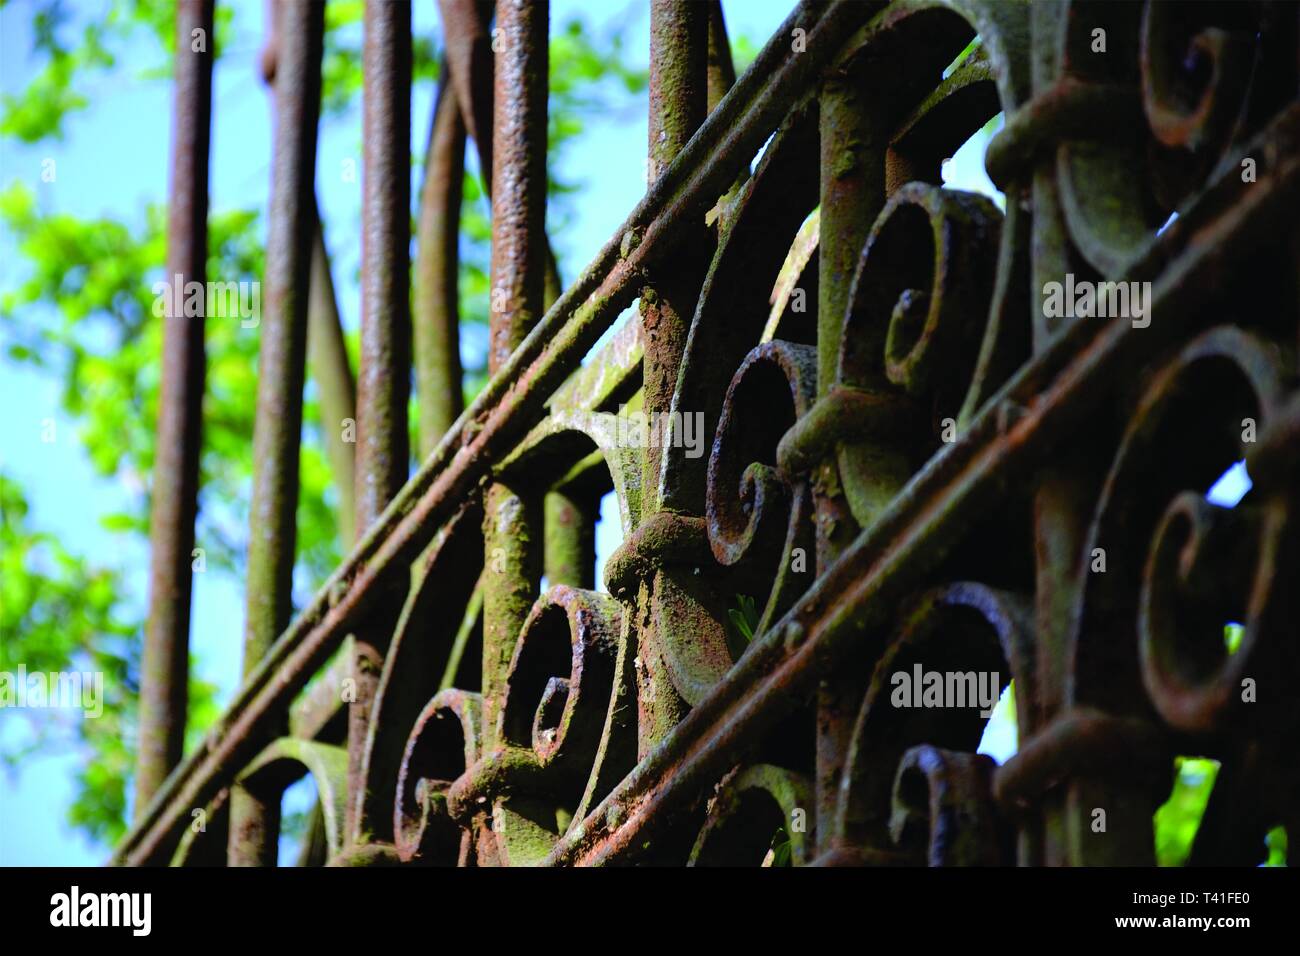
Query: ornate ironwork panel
879	447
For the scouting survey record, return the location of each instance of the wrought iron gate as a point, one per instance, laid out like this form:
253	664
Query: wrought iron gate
939	437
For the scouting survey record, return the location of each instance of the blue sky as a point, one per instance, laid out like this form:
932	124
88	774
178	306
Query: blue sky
113	162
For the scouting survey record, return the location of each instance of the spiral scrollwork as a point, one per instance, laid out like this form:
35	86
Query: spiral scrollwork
757	514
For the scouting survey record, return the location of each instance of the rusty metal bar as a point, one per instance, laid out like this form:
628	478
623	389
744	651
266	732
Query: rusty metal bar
470	67
327	357
384	379
327	354
518	177
679	88
437	295
470	62
382	449
512	523
852	192
729	138
164	682
722	71
468	48
329	366
281	371
570	549
1059	519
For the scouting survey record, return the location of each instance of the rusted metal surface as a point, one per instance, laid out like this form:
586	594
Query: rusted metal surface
281	360
679	90
471	64
917	469
281	373
436	318
328	363
164	680
851	185
383	381
513	516
679	46
518	177
331	370
721	70
466	28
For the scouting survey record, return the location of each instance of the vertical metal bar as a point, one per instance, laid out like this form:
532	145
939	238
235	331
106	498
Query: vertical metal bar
384	380
512	542
852	194
327	354
281	370
383	456
571	516
164	684
470	63
721	74
329	366
1066	488
512	523
679	43
518	175
722	71
679	46
437	298
468	49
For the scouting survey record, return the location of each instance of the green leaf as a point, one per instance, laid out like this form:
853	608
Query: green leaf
1178	819
742	625
120	521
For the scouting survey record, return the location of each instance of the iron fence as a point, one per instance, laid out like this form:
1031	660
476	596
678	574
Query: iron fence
935	437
